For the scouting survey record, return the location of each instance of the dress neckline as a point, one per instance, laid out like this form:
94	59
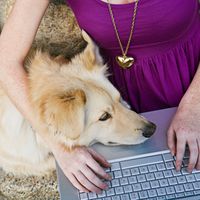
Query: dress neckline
116	5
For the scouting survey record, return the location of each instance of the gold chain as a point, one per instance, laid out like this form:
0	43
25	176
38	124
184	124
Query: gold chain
132	27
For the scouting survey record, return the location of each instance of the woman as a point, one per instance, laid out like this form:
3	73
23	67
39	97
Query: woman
163	55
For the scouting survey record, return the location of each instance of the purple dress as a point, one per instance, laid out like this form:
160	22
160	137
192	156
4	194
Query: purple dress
165	44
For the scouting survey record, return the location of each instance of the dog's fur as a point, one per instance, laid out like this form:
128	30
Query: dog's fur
71	100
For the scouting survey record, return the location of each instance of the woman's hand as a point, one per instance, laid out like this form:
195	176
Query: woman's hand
82	166
185	129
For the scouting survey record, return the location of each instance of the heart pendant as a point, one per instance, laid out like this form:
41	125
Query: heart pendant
124	61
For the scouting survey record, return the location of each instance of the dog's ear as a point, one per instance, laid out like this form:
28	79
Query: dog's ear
91	56
64	113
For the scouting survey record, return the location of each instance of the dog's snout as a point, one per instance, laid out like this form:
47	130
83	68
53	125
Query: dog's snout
149	130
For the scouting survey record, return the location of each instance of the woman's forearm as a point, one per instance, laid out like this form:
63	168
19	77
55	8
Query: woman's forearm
14	82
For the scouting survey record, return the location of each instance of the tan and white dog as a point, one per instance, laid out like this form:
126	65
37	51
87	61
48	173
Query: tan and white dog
76	102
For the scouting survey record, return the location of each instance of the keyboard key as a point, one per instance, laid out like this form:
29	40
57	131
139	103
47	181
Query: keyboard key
110	192
188	186
123	181
169	165
176	173
134	196
143	194
181	179
115	182
145	185
92	195
103	194
126	172
161	166
170	196
159	175
150	176
161	191
179	188
179	195
154	184
128	189
107	198
143	169
115	166
115	198
132	179
185	162
168	157
117	174
136	187
141	178
197	176
83	196
197	192
170	190
161	198
152	168
190	178
152	193
190	193
196	185
125	197
167	173
184	171
119	190
135	171
141	161
163	182
187	154
172	181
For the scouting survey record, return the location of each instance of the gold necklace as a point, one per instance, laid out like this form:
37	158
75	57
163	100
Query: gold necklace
123	60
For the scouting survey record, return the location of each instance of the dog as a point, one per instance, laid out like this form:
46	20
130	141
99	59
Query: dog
76	103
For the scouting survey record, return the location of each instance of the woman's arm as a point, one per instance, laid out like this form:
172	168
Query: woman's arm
15	41
185	127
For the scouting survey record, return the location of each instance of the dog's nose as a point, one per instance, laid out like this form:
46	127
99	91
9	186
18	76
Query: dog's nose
149	130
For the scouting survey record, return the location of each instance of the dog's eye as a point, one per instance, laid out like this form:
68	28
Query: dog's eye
105	116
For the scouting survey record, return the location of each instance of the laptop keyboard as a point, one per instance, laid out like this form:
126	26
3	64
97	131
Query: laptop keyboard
149	176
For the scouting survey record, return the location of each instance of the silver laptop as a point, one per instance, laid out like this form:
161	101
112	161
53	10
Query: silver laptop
144	171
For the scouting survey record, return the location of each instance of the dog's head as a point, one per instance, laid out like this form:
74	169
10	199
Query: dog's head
79	104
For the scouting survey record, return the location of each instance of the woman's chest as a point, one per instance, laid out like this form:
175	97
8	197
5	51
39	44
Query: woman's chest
156	20
119	1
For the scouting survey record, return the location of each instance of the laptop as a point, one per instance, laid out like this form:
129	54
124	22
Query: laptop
143	171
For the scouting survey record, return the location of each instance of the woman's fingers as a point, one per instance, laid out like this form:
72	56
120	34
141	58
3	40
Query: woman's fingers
75	182
193	147
93	178
180	150
171	141
97	169
86	183
98	157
